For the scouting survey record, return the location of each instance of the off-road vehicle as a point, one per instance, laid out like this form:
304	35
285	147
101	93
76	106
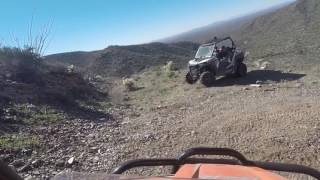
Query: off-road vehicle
220	57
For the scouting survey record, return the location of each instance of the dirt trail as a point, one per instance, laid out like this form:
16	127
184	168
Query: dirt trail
277	122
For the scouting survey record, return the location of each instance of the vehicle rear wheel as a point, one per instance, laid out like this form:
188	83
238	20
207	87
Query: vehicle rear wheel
242	70
189	78
207	78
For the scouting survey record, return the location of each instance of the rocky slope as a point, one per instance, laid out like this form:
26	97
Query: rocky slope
291	29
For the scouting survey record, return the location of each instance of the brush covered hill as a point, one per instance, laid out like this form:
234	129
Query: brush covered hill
127	60
81	59
122	61
294	28
26	80
289	38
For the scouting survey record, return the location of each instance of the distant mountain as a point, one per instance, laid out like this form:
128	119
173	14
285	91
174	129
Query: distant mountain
80	59
294	28
222	28
289	27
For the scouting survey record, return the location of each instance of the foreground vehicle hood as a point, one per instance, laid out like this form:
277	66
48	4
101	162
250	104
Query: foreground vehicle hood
198	61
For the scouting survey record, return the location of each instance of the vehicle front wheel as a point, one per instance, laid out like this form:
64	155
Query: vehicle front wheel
207	78
189	78
242	70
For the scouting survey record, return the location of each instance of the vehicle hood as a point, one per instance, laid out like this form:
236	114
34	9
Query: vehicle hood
198	61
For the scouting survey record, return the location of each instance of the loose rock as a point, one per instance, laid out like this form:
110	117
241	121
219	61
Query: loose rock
60	163
25	168
18	163
70	161
36	163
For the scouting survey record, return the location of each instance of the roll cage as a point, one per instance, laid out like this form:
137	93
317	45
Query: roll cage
215	41
239	159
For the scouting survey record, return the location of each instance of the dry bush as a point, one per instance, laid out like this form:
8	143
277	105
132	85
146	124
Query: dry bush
265	65
170	66
170	69
33	47
262	64
70	69
129	84
19	53
23	61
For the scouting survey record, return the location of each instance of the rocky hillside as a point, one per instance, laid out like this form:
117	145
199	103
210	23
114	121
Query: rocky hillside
290	29
25	80
294	29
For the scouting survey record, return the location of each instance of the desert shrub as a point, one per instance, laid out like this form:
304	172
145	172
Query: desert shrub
21	53
170	66
158	73
21	65
265	65
171	74
170	69
262	64
20	57
32	48
70	68
128	83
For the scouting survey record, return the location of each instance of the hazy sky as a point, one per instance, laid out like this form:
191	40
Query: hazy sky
96	24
